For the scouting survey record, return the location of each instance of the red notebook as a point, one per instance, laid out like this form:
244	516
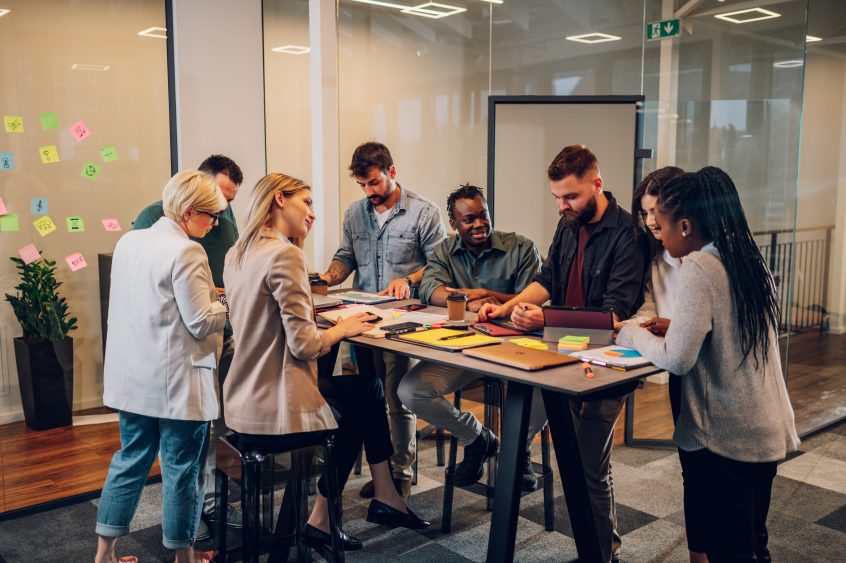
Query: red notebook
495	330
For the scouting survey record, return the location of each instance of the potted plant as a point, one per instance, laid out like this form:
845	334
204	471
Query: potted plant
44	354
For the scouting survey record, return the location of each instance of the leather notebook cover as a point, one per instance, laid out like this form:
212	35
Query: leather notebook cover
520	356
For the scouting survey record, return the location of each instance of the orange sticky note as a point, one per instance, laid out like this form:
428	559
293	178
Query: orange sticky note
76	261
111	224
29	253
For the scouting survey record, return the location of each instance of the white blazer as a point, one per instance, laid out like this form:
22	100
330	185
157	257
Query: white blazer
165	327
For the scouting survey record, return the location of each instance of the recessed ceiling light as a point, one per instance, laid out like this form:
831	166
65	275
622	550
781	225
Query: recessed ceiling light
157	32
754	15
811	39
594	37
433	10
793	63
3	12
291	49
83	66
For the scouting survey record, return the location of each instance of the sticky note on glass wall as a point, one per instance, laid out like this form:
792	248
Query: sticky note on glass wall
76	261
49	120
79	131
90	171
49	154
7	161
38	206
13	123
111	224
109	154
44	226
75	224
9	223
29	253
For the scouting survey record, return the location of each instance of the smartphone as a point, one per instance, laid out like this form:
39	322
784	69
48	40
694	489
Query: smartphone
400	328
413	307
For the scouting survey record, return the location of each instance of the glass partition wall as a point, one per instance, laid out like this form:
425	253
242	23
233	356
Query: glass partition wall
725	88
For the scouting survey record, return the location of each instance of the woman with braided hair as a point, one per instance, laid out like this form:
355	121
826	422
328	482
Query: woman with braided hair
736	422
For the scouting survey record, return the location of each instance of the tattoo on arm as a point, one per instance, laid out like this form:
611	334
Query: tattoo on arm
337	272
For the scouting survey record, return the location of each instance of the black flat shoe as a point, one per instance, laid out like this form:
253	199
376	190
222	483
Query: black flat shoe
316	538
381	513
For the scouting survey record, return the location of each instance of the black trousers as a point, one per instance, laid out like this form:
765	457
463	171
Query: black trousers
675	397
358	403
725	506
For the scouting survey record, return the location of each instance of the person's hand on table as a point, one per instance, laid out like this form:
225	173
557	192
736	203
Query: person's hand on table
476	304
527	316
356	324
399	288
657	326
490	311
473	294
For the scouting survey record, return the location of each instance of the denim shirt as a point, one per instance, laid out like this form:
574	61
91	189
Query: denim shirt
399	248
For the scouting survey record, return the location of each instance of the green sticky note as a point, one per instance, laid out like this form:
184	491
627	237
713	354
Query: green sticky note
90	171
75	224
9	223
109	154
49	120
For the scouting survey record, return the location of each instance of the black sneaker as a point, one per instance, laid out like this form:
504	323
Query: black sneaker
472	467
530	480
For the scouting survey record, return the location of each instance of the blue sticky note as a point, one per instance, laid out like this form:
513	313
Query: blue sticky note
38	206
7	161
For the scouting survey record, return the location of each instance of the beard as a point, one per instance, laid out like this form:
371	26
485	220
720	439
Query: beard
576	219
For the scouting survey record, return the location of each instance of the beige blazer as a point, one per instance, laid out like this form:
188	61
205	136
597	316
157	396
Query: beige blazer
271	387
165	327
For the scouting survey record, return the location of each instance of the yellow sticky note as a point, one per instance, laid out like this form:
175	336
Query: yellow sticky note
528	343
49	154
13	123
44	225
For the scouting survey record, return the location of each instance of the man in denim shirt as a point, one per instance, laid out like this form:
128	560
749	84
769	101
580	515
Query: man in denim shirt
387	237
594	261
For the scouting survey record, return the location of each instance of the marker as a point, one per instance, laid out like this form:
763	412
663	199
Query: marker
588	371
454	336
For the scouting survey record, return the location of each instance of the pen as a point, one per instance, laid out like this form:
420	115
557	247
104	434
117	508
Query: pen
451	337
588	371
481	328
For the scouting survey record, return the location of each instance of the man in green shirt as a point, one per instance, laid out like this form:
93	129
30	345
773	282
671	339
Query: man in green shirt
487	266
228	177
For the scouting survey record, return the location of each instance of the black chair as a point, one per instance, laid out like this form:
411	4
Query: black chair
494	402
255	471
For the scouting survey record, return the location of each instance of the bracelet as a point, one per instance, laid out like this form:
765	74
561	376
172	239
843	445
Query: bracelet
223	301
408	281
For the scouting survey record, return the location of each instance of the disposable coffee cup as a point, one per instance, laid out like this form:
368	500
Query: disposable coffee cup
456	306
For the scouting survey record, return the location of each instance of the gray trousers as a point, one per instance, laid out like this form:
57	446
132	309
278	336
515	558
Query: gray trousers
422	390
594	422
216	430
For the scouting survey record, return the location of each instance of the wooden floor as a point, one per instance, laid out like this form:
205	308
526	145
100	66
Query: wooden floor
39	467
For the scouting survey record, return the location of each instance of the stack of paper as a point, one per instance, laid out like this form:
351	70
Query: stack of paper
573	343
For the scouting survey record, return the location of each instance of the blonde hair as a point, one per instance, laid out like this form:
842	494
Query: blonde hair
191	189
260	208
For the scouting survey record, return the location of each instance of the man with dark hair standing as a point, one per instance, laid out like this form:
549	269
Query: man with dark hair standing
487	266
387	237
593	261
228	177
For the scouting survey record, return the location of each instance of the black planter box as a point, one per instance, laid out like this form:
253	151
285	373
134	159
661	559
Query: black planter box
45	374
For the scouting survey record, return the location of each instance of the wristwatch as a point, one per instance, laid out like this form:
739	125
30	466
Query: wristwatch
408	281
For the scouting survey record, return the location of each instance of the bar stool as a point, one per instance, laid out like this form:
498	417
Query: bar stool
494	402
253	470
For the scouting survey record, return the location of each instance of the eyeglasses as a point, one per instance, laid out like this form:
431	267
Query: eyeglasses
215	217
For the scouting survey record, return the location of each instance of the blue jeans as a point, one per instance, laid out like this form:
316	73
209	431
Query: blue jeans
183	444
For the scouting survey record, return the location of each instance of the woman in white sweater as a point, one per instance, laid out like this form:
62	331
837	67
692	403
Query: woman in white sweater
736	422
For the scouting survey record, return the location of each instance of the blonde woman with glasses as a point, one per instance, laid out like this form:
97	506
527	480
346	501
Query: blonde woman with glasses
273	397
165	333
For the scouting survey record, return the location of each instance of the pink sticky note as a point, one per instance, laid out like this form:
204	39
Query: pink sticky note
111	224
76	261
3	209
29	253
79	131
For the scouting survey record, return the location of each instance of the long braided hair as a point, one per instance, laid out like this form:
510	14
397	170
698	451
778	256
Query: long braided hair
710	199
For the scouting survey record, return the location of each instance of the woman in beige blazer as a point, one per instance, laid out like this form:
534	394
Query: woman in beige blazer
272	396
165	331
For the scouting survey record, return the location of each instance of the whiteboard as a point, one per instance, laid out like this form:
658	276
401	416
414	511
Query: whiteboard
526	132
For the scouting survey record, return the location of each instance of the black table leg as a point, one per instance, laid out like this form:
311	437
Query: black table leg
515	424
572	476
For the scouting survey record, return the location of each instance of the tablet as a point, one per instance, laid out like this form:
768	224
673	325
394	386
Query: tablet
598	324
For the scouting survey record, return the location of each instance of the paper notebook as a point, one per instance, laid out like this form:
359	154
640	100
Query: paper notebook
616	357
437	338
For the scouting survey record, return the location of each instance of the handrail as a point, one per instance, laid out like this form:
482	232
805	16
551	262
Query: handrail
785	231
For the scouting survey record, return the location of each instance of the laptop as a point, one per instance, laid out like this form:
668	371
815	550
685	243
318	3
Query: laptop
520	357
597	324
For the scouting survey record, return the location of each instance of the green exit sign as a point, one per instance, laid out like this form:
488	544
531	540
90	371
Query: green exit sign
660	30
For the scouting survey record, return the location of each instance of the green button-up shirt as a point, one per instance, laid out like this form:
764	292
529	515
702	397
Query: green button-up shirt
508	266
